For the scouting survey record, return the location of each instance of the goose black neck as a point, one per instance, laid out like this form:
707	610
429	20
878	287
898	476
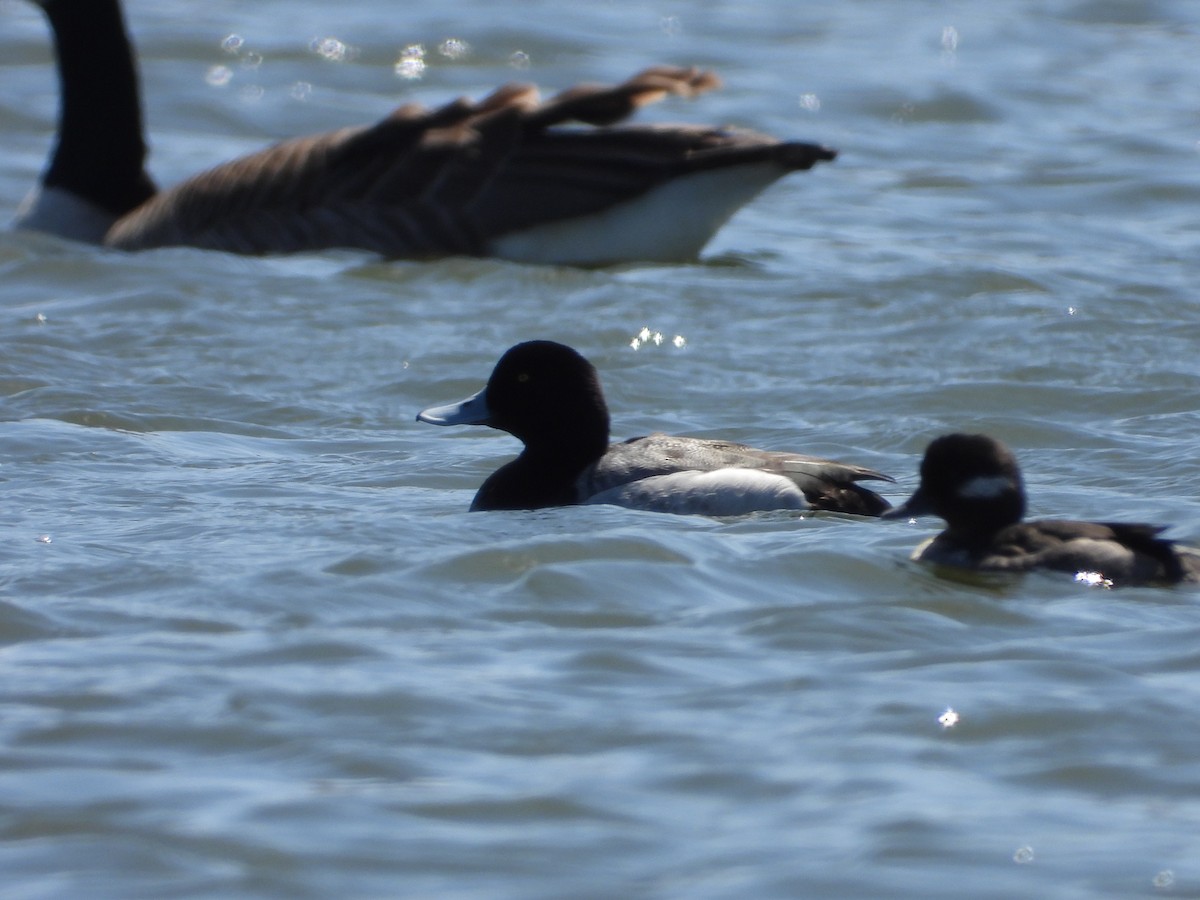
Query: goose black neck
101	151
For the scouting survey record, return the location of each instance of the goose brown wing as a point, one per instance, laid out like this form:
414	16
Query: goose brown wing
446	181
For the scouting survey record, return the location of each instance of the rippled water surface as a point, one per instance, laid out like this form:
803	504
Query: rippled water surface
254	645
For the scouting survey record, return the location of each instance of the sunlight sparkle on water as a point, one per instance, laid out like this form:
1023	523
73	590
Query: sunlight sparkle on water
949	718
232	44
411	64
454	48
218	76
810	102
520	60
1164	879
650	336
331	48
1023	855
1093	579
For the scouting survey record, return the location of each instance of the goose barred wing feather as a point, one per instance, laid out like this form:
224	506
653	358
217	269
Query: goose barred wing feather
600	105
447	181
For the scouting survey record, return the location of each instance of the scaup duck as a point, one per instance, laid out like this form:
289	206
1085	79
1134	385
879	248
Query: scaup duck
549	397
973	482
500	177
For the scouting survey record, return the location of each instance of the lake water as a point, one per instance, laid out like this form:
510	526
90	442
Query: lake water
253	645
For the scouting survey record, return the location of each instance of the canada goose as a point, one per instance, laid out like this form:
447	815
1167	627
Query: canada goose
499	177
549	397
